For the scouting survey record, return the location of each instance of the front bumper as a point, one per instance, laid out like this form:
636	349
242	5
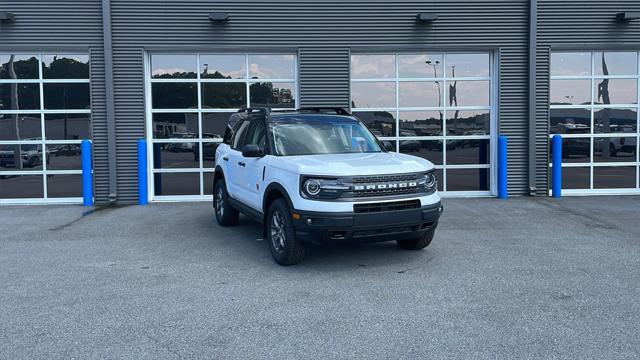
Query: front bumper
327	227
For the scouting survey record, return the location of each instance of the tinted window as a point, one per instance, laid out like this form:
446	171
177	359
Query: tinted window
20	127
18	66
275	95
65	66
327	135
224	95
373	66
173	66
222	67
67	126
373	95
271	66
420	66
467	65
19	96
239	135
67	96
174	95
616	63
570	64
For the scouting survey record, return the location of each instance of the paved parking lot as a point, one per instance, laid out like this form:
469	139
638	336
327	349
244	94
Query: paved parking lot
523	278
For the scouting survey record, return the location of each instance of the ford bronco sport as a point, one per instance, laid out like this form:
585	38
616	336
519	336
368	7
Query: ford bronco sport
319	175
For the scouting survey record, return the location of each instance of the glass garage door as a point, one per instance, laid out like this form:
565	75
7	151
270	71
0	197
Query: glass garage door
190	99
594	107
44	115
434	105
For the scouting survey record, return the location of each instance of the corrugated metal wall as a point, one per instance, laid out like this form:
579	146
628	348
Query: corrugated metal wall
572	24
99	110
56	25
321	32
326	77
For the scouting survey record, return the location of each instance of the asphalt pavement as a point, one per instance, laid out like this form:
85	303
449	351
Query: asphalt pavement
519	279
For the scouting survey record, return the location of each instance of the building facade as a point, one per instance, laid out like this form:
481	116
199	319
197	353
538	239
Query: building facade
442	87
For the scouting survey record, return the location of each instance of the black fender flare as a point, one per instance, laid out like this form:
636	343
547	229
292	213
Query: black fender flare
274	186
218	173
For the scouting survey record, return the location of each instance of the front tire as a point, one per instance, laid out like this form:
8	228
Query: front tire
226	215
419	243
285	248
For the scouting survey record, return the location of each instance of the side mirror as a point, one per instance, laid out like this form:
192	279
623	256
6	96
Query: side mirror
388	145
251	151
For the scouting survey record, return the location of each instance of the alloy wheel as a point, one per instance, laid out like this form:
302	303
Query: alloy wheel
278	238
219	202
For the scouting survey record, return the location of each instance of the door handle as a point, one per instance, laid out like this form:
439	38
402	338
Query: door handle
241	163
225	158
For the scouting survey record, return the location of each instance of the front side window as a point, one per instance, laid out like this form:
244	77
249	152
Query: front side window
321	136
250	132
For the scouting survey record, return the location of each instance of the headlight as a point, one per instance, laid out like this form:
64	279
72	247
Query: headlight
317	188
430	181
312	187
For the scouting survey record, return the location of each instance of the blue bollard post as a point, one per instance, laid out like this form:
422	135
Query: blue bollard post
556	158
502	167
143	197
87	173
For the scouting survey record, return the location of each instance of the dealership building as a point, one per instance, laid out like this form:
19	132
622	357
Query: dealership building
438	79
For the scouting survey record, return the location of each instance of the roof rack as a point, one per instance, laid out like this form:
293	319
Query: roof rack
265	109
338	110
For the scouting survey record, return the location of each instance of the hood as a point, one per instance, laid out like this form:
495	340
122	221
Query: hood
353	164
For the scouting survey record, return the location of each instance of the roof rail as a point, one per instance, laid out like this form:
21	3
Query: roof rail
265	109
338	110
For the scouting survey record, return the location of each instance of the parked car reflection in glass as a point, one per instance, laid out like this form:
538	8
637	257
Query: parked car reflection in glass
31	156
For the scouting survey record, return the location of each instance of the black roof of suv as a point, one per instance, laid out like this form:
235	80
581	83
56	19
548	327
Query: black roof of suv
267	114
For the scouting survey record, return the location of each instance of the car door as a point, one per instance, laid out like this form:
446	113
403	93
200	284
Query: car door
232	160
255	167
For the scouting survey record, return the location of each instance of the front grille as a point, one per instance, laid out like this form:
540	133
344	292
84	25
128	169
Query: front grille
385	192
385	178
386	206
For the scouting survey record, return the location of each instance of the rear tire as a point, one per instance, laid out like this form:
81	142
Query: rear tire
419	243
226	215
285	248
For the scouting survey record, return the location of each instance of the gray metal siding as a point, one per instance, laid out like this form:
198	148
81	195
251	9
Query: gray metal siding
319	31
586	25
542	120
326	76
128	80
74	25
99	121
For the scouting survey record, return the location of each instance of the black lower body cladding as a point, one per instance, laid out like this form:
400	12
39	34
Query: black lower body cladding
326	227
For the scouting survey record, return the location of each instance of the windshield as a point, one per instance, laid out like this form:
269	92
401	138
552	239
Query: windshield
322	136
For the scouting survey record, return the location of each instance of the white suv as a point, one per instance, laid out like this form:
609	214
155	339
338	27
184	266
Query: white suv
319	175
